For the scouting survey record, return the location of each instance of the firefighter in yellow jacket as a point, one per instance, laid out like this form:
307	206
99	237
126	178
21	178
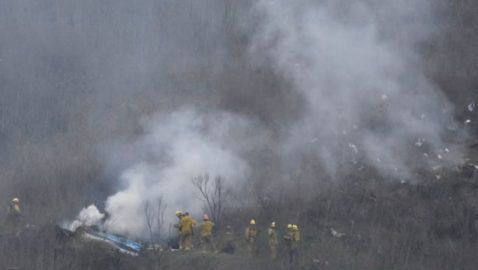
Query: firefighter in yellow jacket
251	238
292	240
179	215
272	239
206	229
14	215
186	224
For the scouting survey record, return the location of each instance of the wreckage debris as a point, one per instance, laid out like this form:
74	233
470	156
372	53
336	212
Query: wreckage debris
471	107
114	242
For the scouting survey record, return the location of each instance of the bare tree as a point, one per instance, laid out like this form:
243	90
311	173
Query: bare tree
212	194
154	216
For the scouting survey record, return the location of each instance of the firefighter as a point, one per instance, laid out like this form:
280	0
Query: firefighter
295	243
251	238
14	216
273	242
186	224
206	229
179	215
292	239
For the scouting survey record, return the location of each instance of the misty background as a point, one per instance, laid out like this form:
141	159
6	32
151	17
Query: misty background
118	102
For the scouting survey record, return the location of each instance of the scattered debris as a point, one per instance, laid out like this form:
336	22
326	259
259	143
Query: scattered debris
115	242
354	147
467	121
419	142
471	107
336	233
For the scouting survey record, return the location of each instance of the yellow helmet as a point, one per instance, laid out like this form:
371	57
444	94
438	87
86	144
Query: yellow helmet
295	227
289	226
179	213
15	200
253	222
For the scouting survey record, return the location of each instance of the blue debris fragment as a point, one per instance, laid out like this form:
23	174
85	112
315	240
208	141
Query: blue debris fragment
122	244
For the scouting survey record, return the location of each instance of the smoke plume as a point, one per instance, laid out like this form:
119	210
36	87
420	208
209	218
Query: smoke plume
122	102
174	149
367	103
359	68
88	216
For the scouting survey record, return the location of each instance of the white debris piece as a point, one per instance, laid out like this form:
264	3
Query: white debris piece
384	97
467	121
336	233
447	150
439	156
471	107
419	143
438	177
425	154
354	147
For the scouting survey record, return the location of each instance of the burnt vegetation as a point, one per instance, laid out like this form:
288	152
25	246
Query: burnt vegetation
55	128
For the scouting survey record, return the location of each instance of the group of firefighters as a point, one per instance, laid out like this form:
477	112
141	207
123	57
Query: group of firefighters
186	224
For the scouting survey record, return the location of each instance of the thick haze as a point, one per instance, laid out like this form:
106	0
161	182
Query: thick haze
357	65
130	99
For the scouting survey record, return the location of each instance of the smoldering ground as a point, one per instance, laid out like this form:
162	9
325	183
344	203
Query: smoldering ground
126	101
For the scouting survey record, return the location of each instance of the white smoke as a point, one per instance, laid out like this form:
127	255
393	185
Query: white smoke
357	66
367	103
88	216
175	149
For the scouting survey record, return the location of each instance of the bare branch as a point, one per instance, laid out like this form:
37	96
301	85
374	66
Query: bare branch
211	193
